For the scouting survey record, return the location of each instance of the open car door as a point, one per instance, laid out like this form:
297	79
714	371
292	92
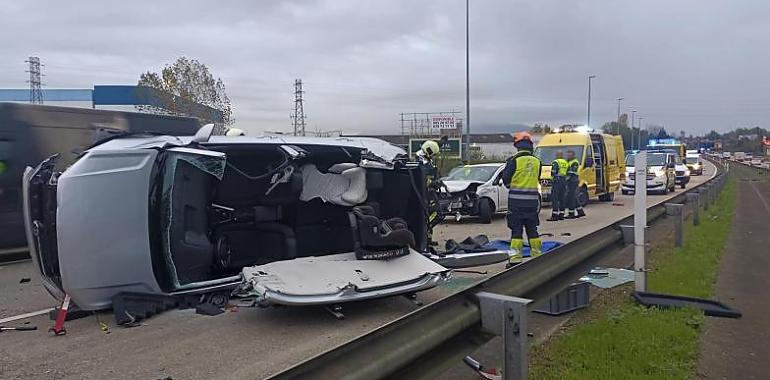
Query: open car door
339	278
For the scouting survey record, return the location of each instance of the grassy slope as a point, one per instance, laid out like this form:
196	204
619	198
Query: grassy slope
620	340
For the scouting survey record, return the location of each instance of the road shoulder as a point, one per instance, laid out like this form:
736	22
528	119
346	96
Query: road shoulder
737	348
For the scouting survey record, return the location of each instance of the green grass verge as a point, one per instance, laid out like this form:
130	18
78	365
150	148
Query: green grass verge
617	339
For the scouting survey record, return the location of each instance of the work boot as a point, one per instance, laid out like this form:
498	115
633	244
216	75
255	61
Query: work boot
561	216
553	218
580	213
570	215
517	247
535	247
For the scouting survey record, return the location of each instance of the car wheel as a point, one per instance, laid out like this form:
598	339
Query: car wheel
608	197
625	192
486	209
582	197
683	185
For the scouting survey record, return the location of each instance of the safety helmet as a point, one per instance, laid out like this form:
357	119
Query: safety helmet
234	132
430	148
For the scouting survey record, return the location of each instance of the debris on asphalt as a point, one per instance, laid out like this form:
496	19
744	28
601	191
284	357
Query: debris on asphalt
17	328
606	278
24	280
208	309
485	373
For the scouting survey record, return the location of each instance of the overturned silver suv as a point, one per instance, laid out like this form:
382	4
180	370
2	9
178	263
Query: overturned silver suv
272	217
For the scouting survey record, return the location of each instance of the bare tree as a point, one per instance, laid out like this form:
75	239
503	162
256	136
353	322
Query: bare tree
186	87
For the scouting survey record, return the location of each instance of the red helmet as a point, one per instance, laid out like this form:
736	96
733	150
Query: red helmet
522	136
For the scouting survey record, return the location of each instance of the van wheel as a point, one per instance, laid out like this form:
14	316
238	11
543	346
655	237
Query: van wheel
486	210
582	197
683	185
608	197
625	192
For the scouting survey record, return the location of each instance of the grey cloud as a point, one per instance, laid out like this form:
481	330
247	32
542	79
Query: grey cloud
691	65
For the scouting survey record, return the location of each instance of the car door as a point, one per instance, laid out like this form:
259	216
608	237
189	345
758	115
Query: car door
588	174
501	190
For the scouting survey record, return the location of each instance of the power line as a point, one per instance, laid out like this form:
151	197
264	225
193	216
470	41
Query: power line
299	110
35	85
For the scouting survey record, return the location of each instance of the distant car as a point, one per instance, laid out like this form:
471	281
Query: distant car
694	164
476	190
661	177
757	161
283	219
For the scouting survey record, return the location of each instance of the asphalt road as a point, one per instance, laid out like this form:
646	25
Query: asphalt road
247	343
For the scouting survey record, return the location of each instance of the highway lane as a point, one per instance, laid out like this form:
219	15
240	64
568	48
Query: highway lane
249	343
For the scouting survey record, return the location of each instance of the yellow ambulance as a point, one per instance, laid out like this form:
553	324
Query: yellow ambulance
602	162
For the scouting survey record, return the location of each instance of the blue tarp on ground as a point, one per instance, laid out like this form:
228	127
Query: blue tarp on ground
548	245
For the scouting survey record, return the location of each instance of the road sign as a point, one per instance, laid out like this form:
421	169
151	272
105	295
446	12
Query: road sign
450	148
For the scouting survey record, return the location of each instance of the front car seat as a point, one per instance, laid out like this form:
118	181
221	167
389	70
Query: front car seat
344	184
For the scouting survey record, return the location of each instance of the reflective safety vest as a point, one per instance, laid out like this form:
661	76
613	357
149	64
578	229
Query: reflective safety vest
573	167
523	189
560	165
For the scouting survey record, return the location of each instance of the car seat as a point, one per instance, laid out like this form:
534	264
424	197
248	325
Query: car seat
344	184
375	238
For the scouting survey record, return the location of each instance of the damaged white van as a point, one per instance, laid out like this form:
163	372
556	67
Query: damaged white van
289	220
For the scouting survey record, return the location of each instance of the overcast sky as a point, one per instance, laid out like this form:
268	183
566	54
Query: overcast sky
688	65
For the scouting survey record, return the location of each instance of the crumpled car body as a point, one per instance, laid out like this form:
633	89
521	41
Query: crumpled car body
475	190
189	215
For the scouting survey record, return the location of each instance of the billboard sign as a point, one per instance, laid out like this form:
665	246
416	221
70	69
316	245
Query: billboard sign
442	122
451	148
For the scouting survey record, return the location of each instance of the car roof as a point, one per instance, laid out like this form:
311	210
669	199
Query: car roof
494	164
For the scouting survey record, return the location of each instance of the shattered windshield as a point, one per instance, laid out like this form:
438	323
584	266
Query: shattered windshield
471	173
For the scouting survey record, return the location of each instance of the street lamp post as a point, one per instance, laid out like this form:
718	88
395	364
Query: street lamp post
466	151
617	129
588	121
633	114
639	143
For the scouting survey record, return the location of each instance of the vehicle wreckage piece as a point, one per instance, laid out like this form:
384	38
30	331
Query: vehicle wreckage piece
338	278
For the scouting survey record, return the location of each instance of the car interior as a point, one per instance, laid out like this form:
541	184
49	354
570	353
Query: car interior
270	202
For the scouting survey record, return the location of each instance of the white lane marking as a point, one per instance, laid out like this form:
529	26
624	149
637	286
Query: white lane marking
761	198
25	315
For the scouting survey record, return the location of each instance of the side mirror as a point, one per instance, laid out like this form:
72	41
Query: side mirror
498	181
589	162
671	165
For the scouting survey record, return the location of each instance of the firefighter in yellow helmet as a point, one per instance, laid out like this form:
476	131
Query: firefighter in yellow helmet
426	157
522	175
231	132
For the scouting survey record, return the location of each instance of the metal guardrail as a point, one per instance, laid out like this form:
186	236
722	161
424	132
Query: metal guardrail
450	328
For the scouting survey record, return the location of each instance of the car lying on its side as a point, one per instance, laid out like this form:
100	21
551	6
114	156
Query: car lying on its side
475	190
660	173
290	220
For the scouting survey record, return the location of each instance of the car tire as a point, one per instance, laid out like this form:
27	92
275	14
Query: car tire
486	210
608	197
582	197
683	185
625	192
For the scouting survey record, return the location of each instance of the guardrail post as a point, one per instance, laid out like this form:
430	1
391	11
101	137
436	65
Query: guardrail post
704	191
694	200
675	210
506	316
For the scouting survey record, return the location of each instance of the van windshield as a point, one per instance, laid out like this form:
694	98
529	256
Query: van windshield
692	160
653	159
547	154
